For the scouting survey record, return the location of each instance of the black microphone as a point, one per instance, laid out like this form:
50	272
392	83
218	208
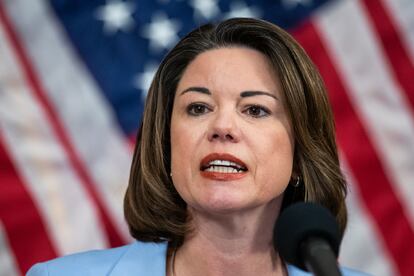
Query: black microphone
307	236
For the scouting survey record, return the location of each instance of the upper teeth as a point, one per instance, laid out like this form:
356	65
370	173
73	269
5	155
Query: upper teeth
224	163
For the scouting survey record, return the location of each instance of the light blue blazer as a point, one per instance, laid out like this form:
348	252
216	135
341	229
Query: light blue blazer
137	258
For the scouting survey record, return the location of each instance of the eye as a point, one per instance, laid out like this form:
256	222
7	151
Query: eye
257	111
197	109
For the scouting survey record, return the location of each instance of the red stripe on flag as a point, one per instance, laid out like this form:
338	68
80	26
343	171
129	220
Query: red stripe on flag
374	185
30	74
398	58
25	230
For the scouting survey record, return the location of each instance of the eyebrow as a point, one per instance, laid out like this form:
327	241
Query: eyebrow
196	89
243	94
256	93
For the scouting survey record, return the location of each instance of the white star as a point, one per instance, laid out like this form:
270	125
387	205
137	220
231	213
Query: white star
240	9
143	81
294	3
116	15
204	9
162	32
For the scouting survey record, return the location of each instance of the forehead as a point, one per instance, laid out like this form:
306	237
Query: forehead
236	67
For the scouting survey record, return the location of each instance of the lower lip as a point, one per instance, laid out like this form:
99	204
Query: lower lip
222	176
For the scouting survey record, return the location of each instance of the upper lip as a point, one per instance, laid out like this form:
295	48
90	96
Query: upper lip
222	156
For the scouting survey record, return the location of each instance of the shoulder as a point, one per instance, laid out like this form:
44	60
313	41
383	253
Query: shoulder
294	271
117	261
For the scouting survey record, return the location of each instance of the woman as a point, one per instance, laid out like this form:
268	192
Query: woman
236	127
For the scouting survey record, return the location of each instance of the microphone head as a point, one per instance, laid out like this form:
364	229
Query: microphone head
299	222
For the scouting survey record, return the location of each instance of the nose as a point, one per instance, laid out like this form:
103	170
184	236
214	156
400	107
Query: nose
224	128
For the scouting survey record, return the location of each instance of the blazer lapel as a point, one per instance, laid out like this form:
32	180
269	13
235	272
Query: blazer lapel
142	258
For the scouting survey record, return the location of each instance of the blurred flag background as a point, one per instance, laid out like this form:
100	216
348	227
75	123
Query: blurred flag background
73	82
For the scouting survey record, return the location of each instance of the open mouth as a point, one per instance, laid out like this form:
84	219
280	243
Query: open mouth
222	163
223	166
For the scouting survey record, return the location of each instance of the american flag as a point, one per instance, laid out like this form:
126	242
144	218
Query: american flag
73	81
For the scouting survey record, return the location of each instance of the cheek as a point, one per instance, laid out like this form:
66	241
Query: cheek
178	152
275	160
177	157
183	150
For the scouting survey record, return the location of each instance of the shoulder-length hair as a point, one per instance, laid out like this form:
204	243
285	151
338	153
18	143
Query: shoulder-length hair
153	209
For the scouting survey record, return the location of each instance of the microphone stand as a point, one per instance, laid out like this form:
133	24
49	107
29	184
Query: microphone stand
319	258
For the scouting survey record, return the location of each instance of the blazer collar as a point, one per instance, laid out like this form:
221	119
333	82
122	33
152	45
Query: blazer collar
142	258
149	258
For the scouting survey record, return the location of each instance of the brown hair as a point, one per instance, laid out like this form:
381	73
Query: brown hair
153	209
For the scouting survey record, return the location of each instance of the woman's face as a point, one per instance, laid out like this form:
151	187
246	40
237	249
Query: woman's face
231	142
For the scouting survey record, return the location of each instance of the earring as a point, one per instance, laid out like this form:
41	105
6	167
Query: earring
171	174
297	183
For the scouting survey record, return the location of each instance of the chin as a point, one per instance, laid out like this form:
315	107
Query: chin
225	204
231	204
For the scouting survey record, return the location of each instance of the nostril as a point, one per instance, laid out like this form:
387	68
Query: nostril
222	136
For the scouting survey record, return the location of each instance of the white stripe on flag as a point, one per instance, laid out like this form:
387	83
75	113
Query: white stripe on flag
361	246
75	96
376	97
69	215
7	263
402	12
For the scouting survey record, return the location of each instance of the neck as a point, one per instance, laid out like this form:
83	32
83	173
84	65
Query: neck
230	244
